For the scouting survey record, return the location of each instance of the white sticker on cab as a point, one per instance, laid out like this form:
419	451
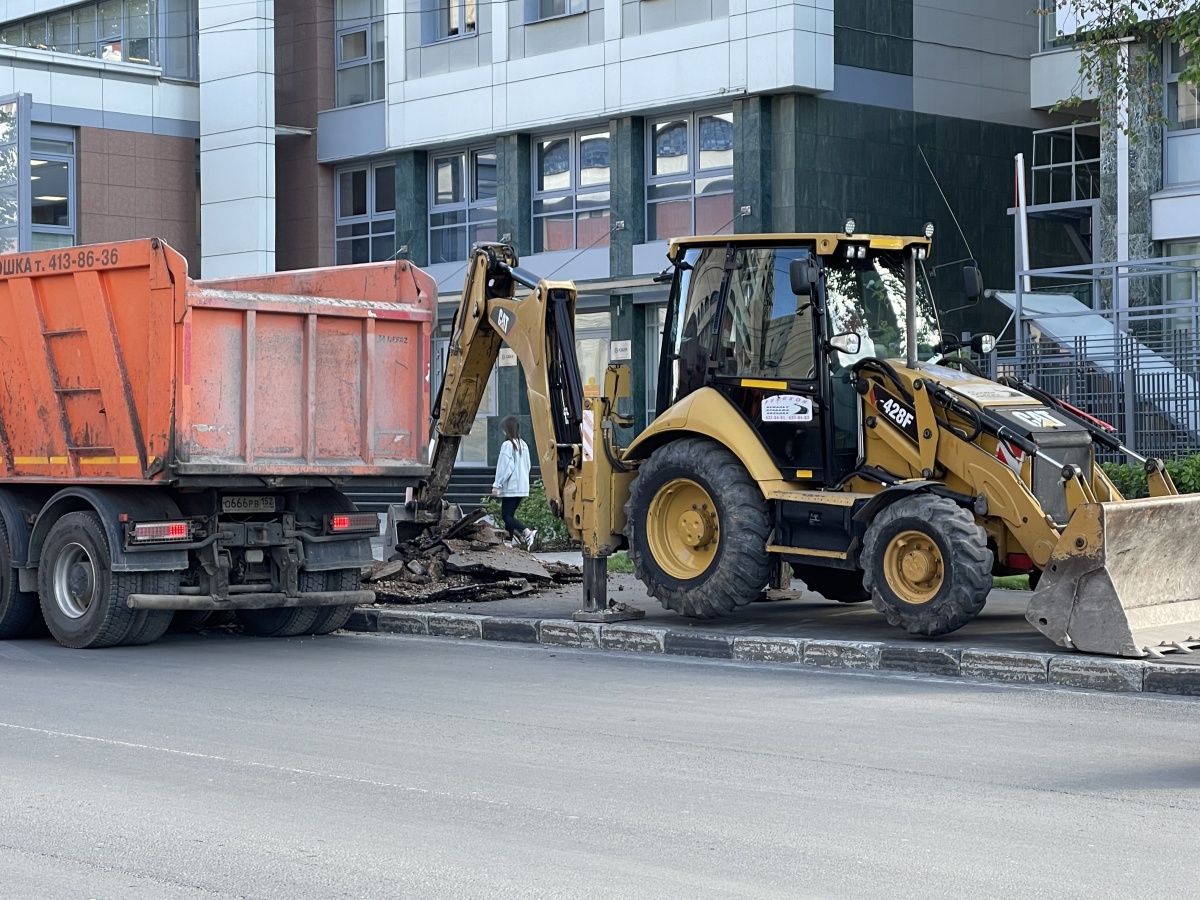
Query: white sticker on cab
787	408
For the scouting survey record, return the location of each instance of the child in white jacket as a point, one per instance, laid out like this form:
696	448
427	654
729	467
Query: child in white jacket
512	480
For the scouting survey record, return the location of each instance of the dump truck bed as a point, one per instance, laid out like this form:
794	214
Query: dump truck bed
118	367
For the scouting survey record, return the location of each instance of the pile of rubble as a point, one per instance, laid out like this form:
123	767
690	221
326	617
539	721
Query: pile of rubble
466	562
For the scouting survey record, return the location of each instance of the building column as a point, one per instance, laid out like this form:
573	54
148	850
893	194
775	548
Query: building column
792	154
237	138
628	323
627	192
1131	171
514	191
752	144
412	206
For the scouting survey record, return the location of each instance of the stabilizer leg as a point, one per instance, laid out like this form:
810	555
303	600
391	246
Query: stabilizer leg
597	607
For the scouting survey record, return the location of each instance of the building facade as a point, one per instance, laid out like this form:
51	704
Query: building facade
260	135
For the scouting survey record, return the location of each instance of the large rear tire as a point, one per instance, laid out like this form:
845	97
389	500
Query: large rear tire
19	616
927	565
842	585
697	526
285	621
82	599
331	618
151	624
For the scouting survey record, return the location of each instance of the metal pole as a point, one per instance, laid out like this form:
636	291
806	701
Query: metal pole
910	305
1130	417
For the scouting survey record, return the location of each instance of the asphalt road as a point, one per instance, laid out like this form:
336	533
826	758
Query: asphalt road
382	766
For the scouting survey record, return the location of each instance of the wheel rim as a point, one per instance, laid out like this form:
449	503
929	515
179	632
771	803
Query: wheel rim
74	580
683	529
914	567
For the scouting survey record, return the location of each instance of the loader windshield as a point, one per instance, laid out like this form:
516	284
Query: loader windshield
867	296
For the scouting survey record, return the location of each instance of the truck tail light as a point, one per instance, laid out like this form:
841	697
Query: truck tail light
342	522
161	531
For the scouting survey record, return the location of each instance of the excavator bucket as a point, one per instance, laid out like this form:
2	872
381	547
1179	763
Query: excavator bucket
1124	579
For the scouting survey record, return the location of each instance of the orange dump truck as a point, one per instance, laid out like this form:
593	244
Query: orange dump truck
174	445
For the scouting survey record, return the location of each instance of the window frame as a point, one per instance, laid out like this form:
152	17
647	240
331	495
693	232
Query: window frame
369	61
471	205
1171	80
693	174
439	10
534	14
371	218
70	230
575	188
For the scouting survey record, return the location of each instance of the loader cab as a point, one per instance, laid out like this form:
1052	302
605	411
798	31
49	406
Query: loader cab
741	323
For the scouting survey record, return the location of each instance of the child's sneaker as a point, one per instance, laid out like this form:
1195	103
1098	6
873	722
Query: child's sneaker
530	537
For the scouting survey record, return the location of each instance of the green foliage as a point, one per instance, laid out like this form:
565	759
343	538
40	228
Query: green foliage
1106	65
1011	582
620	564
1130	478
534	512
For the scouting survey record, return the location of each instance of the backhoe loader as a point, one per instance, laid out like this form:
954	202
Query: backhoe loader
809	417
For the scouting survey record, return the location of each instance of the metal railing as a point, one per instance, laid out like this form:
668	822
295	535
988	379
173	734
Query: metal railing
1119	340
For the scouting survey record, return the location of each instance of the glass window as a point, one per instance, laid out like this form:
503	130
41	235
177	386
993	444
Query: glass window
52	192
1183	107
571	196
365	228
548	9
455	18
1066	164
360	48
462	203
689	186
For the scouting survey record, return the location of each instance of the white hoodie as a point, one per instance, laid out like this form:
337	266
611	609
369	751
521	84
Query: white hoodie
512	470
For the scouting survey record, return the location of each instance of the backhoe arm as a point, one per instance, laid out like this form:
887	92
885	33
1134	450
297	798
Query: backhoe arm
540	329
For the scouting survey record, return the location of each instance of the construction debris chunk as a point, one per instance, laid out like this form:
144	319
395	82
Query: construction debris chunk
466	562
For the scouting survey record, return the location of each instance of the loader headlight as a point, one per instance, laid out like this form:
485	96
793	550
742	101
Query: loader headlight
929	230
848	228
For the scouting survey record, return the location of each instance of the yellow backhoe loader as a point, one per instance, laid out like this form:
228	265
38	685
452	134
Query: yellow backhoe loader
807	418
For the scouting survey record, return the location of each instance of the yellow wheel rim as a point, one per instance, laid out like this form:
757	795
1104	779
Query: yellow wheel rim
682	529
914	567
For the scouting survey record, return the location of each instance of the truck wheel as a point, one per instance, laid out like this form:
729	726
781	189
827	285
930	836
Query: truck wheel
331	618
697	526
927	565
151	624
842	585
82	599
19	614
285	621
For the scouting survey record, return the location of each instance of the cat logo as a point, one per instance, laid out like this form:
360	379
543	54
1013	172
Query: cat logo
504	321
1038	418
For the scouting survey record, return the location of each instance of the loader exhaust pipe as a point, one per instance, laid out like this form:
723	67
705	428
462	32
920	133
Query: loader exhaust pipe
910	307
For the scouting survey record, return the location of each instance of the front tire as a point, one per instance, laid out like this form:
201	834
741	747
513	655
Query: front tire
927	565
697	526
82	599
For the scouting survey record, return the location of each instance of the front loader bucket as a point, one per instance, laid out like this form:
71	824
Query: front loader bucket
1124	579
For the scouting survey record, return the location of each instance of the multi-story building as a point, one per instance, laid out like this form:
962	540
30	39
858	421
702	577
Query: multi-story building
256	135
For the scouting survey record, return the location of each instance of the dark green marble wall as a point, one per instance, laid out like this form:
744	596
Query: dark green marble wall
874	34
412	204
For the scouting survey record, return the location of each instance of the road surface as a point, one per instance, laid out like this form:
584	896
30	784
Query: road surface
386	766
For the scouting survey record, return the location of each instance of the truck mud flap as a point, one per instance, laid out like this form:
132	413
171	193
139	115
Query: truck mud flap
1124	579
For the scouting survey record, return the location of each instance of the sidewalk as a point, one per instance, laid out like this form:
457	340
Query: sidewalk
799	628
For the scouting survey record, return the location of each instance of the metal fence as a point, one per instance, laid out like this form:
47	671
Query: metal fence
1119	340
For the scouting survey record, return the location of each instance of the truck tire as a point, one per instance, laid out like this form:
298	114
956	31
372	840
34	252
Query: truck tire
927	565
331	618
842	585
282	621
82	599
19	616
151	624
697	526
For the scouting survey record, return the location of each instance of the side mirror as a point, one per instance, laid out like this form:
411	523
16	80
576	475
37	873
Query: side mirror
972	283
847	342
983	344
666	276
804	275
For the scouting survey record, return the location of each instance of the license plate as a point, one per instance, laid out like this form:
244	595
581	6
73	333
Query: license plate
248	504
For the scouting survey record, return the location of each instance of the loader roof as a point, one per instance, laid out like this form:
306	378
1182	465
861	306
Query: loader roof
826	242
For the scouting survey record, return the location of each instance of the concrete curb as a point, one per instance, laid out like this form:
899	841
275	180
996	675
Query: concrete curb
1096	673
